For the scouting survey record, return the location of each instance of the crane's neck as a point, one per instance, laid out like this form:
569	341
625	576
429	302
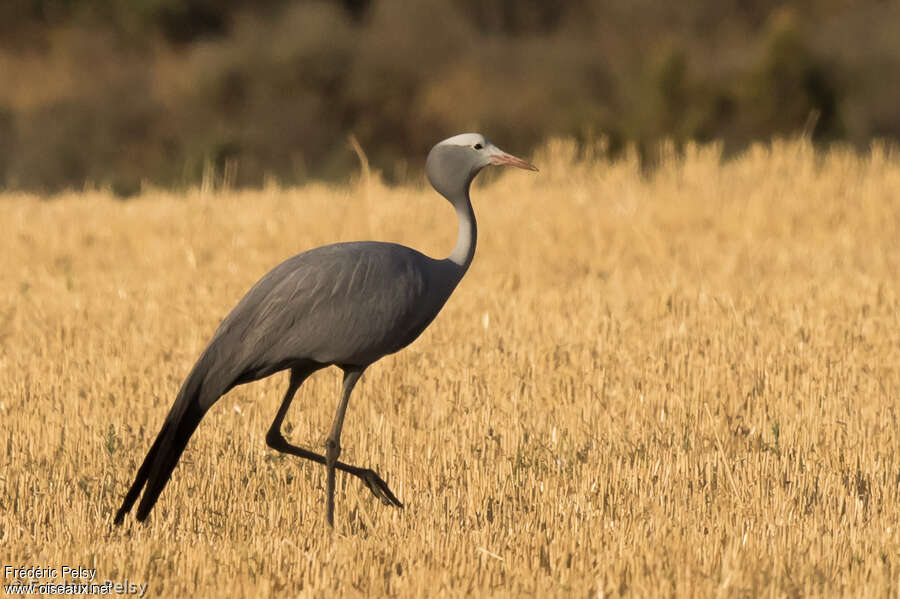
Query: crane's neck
468	234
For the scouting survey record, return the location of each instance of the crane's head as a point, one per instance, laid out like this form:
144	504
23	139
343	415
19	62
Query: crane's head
454	162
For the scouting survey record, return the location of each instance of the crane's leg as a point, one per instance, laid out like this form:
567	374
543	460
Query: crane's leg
333	442
274	438
276	441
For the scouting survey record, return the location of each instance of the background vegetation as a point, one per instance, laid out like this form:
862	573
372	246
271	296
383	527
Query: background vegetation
120	93
681	384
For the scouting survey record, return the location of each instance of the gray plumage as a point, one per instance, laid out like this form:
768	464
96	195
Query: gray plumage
346	304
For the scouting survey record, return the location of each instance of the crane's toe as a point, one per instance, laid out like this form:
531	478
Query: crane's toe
379	488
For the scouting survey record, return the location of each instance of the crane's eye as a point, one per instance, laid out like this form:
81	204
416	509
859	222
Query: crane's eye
478	146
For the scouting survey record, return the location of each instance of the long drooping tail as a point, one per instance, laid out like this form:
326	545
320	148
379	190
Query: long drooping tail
192	402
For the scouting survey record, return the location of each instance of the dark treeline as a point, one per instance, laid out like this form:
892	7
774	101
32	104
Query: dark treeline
120	92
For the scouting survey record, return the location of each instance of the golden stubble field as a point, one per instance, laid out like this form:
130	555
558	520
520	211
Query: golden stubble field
684	385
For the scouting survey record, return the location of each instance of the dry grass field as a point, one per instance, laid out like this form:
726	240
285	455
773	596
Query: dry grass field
683	384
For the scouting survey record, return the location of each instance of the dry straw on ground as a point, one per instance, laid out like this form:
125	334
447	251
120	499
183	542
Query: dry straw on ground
684	385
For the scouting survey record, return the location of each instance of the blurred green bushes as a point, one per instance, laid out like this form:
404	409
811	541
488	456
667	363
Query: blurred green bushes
122	93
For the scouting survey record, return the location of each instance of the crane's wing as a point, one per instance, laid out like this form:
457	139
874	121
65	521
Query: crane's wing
348	303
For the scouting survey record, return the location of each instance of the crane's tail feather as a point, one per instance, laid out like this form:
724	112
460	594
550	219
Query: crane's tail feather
170	452
142	474
192	402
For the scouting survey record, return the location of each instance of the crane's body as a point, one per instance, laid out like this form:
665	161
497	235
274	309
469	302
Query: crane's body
345	304
358	302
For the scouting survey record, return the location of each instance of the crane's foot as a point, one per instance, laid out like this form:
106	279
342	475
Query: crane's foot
378	487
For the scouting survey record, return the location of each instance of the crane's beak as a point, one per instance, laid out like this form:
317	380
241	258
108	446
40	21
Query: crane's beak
501	158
